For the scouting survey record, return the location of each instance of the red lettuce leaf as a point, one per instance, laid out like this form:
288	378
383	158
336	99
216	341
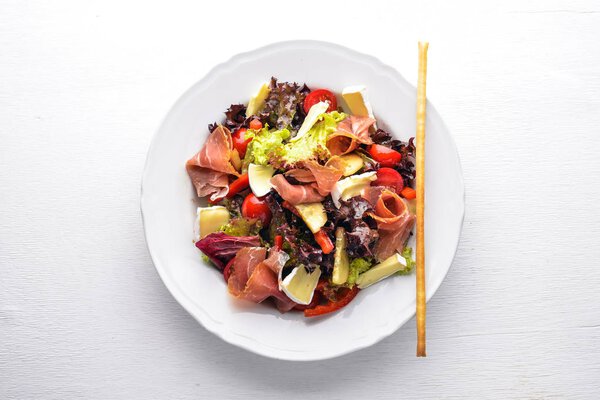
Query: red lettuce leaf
283	107
361	230
220	248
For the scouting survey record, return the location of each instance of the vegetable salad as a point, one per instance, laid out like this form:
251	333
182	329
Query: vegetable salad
309	200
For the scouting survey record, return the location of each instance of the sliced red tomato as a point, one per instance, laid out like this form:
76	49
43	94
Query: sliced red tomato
255	207
389	177
345	296
240	143
320	95
385	156
256	124
324	241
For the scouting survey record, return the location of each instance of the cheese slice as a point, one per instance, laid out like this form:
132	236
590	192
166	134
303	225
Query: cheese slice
389	266
209	220
313	214
351	186
257	101
300	285
357	101
259	178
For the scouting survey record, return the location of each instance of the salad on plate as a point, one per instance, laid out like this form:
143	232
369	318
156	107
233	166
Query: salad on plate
308	200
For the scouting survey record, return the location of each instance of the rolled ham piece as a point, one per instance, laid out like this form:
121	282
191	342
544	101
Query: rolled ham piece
209	169
254	276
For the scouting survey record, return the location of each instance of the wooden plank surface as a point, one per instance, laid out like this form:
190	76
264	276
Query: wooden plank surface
84	85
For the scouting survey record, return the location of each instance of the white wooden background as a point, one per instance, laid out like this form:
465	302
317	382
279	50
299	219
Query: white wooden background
83	86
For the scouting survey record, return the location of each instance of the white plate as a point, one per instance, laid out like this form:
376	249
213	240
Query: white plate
168	203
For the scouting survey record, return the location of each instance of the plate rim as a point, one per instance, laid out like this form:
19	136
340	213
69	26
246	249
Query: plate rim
210	324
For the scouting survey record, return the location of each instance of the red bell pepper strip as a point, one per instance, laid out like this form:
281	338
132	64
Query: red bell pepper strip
332	306
238	185
324	241
278	242
408	193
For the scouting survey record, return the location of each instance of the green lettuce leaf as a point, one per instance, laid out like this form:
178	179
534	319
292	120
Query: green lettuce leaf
357	267
313	145
410	263
265	145
242	226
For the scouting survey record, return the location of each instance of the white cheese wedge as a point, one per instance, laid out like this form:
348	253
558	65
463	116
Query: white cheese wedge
351	186
341	263
389	266
209	220
352	163
313	214
257	101
357	101
300	285
311	118
259	178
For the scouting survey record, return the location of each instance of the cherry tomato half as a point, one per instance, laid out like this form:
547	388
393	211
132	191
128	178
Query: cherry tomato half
240	143
385	156
256	124
389	177
255	207
320	95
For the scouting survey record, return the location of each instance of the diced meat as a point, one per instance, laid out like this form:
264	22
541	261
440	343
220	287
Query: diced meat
254	278
209	169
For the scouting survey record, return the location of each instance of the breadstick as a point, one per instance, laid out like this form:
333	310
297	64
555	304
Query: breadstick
421	107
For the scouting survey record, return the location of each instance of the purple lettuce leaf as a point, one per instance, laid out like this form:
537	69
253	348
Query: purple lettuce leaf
220	248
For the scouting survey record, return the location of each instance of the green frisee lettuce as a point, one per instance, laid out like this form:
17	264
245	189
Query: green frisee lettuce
410	263
313	145
241	226
264	145
357	267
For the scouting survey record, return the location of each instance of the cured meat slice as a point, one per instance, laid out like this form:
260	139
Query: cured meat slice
323	177
209	169
351	132
295	194
393	218
254	277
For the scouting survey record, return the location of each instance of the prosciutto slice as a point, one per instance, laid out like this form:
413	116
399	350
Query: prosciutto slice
254	277
351	132
393	218
296	194
209	169
323	176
